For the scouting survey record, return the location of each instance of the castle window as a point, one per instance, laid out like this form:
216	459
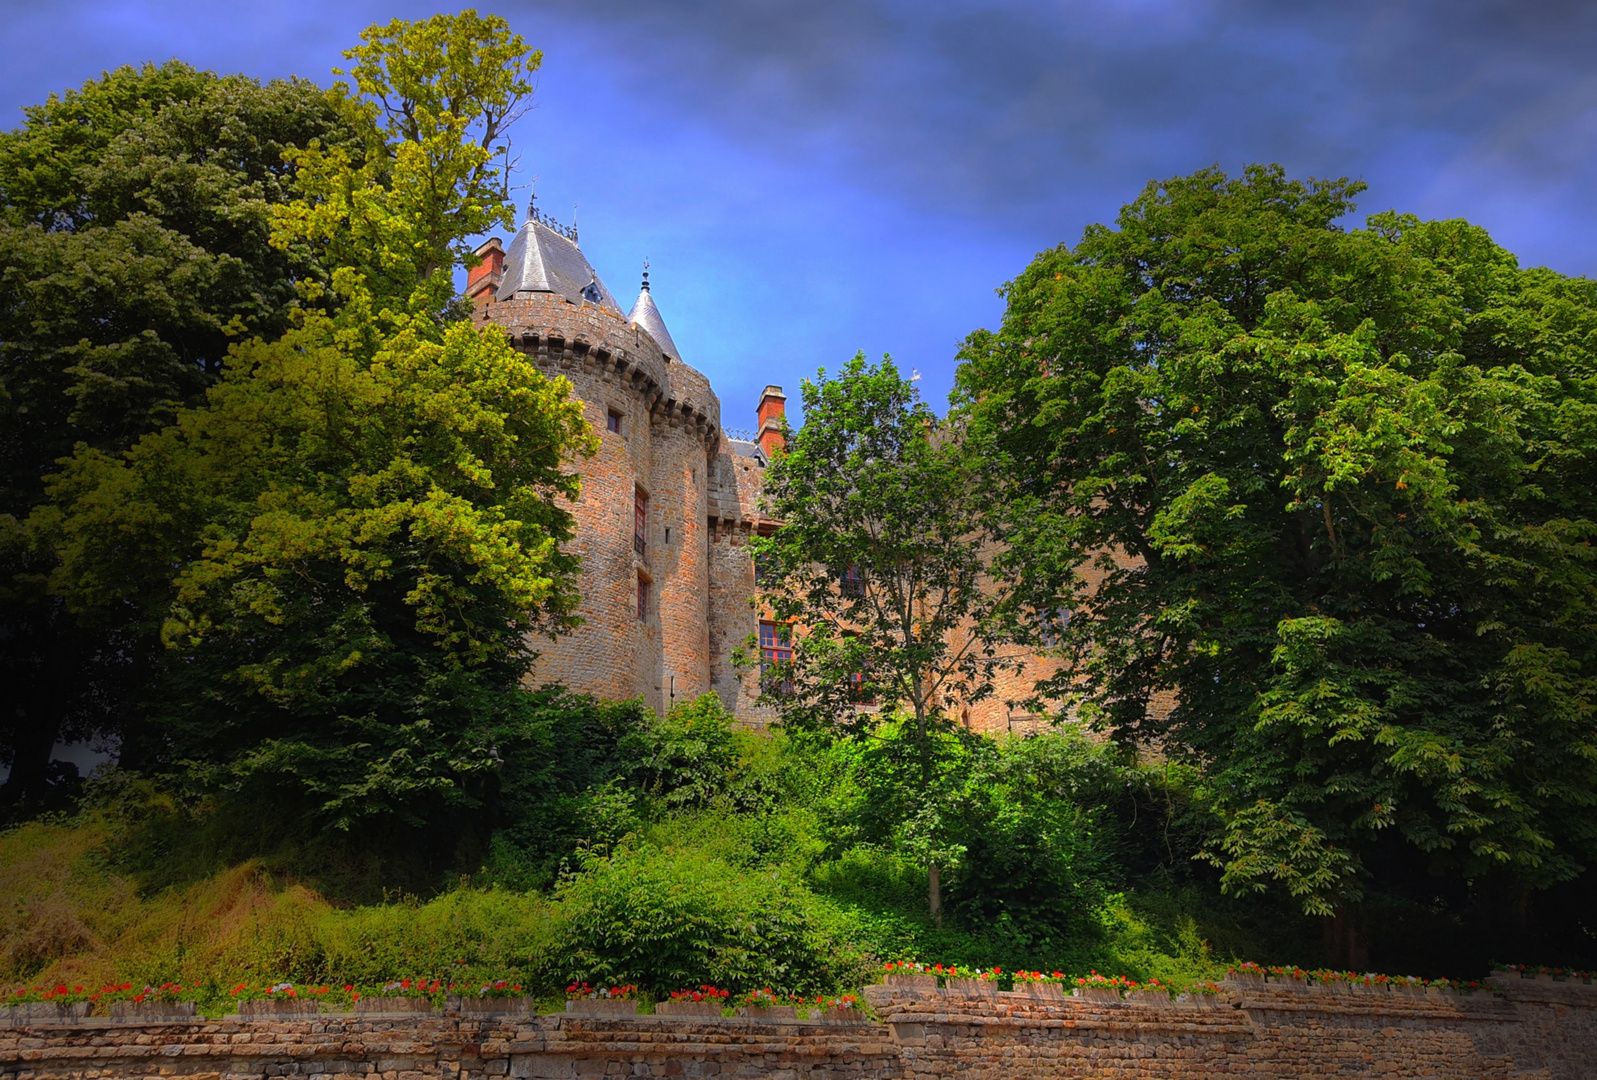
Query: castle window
1052	626
859	692
851	584
643	599
763	574
776	658
640	521
612	421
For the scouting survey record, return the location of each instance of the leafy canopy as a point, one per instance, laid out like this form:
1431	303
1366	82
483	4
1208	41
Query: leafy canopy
135	248
345	547
1321	503
880	574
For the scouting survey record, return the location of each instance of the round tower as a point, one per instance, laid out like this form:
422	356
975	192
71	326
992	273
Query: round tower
641	516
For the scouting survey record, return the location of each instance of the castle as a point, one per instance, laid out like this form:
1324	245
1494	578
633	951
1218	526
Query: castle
669	501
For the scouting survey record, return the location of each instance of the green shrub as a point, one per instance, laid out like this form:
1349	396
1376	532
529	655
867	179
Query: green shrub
665	919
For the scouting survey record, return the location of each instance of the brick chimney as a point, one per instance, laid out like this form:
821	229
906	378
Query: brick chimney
773	406
483	279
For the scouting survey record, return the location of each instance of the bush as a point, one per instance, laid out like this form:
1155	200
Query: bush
665	919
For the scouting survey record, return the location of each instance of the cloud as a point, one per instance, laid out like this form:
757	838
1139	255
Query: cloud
1017	110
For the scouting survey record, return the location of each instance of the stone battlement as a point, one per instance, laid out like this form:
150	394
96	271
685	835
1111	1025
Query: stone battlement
1519	1029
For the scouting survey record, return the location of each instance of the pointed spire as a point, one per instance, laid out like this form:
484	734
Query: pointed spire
646	316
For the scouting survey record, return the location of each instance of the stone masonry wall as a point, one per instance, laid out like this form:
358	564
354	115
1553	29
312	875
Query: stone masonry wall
1523	1030
670	425
703	506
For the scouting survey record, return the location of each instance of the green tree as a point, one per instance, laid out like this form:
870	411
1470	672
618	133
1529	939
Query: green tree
1337	487
135	247
345	548
880	573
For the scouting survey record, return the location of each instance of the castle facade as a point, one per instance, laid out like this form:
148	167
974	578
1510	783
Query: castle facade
669	501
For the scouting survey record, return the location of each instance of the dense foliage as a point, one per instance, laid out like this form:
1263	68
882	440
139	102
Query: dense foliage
135	248
880	575
1351	471
781	872
346	545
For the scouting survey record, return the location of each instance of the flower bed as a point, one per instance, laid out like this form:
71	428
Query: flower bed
908	973
707	1000
585	1000
766	1004
1096	987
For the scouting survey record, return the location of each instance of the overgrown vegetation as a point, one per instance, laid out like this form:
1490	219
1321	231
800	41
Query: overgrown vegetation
676	851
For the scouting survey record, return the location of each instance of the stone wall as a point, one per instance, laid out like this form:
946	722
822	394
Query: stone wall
670	429
1522	1030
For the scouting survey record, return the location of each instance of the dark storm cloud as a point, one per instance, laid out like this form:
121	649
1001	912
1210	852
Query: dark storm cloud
1011	109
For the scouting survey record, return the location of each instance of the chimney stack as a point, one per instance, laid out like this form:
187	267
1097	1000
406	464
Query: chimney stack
482	280
773	406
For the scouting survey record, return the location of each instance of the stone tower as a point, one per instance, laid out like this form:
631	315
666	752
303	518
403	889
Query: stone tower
644	518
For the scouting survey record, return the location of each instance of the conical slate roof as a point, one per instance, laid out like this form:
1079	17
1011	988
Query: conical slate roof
543	259
647	318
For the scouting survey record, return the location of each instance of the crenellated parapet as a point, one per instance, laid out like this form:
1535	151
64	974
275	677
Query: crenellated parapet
588	340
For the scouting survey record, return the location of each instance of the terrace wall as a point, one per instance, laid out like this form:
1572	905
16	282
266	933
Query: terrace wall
1522	1029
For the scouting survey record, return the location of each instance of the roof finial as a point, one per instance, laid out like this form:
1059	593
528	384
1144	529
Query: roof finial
532	200
573	223
645	273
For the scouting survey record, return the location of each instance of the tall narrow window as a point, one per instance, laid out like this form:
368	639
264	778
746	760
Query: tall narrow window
640	521
613	421
859	691
776	658
643	599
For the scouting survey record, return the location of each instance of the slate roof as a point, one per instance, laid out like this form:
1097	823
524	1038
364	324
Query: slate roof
543	260
646	316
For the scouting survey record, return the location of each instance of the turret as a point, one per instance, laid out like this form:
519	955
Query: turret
646	317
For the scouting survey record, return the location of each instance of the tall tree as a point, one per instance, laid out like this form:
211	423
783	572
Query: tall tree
346	545
135	247
880	574
1338	485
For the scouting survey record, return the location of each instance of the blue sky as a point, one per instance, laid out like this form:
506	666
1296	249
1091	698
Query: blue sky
811	179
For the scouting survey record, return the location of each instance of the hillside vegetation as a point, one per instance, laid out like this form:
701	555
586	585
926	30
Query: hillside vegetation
693	853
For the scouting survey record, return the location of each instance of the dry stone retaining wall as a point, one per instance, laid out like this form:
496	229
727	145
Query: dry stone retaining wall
1521	1030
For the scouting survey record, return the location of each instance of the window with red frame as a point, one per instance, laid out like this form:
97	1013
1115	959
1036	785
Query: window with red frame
776	657
851	584
858	692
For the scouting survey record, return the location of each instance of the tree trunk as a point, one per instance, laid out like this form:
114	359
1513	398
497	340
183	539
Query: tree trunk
1345	946
934	895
